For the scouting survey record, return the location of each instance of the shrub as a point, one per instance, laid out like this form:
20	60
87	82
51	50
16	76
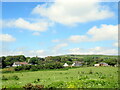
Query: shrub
27	67
90	72
38	87
102	76
30	86
15	77
88	83
4	78
83	77
59	84
8	70
40	67
37	80
34	68
19	68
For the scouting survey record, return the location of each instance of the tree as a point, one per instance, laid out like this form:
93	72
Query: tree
2	62
34	60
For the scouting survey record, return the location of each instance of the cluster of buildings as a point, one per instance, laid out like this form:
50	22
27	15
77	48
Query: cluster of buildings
75	63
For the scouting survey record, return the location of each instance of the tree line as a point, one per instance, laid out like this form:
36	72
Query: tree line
89	60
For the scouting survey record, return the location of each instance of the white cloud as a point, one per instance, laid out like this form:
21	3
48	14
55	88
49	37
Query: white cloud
105	32
36	52
60	51
36	33
116	44
23	24
6	38
31	53
59	46
78	38
70	12
96	50
56	40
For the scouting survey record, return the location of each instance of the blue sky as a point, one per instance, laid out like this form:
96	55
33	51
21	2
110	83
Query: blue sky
59	28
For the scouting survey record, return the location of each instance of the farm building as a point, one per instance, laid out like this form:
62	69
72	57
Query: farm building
65	65
96	65
101	64
19	64
77	63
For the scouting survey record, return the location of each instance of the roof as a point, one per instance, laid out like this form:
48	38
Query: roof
102	63
24	63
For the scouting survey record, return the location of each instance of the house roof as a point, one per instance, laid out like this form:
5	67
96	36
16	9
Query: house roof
24	63
102	63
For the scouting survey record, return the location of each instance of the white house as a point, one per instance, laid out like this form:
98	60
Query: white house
19	64
65	65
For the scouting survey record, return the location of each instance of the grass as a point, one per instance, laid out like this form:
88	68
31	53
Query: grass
73	77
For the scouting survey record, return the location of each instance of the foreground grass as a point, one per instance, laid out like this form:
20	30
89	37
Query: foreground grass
90	77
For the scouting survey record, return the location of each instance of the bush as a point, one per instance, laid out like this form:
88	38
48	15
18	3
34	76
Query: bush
90	72
59	84
34	68
30	86
83	77
39	67
4	78
88	83
8	70
15	77
102	76
27	67
19	68
37	80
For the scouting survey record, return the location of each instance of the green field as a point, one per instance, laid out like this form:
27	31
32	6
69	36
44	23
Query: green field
83	77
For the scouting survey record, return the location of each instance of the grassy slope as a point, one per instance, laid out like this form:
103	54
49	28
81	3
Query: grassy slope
47	77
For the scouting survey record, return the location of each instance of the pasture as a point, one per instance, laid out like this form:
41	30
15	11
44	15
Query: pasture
83	77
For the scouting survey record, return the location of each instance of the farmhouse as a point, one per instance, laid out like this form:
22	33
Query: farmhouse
101	64
19	64
77	63
65	65
104	64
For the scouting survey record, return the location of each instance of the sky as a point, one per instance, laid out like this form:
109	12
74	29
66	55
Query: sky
57	28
